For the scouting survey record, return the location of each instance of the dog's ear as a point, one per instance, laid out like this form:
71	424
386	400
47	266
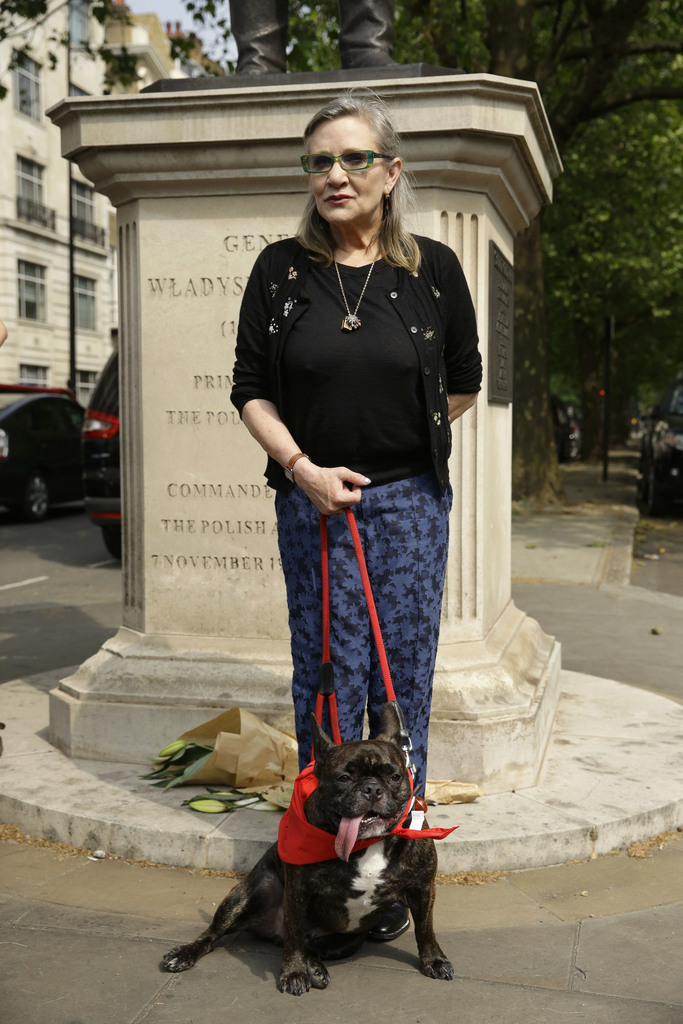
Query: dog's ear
322	743
391	725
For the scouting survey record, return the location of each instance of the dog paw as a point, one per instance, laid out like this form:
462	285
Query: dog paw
294	982
439	967
178	959
318	974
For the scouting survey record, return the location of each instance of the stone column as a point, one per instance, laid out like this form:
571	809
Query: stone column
202	180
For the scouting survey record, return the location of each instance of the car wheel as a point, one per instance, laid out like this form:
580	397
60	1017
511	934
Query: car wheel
112	541
36	499
657	502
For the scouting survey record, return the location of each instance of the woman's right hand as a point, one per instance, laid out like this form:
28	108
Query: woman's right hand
330	489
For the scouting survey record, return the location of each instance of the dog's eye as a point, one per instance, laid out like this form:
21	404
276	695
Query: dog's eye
396	777
343	777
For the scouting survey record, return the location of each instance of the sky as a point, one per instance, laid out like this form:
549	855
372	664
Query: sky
174	10
166	10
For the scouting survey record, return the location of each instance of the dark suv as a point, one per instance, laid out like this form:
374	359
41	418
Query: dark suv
101	466
661	453
40	450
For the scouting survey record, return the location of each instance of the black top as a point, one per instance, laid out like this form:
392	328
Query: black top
353	398
434	308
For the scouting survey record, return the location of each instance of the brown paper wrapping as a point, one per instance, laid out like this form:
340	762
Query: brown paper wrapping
452	792
248	754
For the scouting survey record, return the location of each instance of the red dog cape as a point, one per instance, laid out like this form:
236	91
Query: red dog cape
299	842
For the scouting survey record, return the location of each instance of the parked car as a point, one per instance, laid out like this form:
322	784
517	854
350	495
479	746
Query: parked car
661	451
40	449
567	430
101	461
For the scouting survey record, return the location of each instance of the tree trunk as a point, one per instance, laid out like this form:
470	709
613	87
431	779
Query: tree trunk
535	470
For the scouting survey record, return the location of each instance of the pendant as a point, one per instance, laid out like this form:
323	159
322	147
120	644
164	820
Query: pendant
350	322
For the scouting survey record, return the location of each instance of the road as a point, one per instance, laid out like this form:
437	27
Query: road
60	593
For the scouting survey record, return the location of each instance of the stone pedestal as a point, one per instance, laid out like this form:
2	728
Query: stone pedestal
202	181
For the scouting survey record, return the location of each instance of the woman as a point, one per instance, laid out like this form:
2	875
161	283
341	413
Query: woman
356	346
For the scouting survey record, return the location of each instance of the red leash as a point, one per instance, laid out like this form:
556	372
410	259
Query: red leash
326	688
299	842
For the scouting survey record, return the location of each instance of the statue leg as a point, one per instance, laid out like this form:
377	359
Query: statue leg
260	31
366	33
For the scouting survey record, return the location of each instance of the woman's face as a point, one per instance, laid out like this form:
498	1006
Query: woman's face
350	199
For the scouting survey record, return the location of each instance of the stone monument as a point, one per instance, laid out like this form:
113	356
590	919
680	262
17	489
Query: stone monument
202	180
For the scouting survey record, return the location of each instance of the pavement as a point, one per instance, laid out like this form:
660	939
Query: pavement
575	927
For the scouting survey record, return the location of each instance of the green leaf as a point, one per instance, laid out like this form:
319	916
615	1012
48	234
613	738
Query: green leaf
191	770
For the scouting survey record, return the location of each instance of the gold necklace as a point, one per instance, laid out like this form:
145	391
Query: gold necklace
351	321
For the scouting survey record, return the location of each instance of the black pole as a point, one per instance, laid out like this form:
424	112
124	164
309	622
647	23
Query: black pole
609	339
72	295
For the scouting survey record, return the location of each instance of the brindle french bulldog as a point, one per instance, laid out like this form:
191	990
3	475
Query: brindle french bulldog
363	790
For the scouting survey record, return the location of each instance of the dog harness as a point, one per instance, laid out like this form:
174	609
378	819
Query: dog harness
299	842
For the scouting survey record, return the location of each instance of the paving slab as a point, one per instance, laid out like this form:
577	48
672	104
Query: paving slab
635	956
76	932
101	981
603	886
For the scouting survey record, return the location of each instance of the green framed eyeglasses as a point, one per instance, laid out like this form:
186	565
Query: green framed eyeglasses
354	160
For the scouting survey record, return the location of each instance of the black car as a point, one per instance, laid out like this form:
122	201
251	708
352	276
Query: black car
101	464
661	452
40	449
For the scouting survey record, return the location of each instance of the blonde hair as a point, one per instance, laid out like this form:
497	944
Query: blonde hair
396	244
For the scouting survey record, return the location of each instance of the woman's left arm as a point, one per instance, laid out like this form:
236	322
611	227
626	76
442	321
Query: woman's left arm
461	344
458	404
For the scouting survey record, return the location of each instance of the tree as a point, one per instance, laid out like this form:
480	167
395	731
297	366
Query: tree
591	59
621	253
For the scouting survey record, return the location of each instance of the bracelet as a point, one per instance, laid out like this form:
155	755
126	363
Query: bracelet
292	462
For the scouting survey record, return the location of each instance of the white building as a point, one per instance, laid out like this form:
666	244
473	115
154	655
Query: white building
35	182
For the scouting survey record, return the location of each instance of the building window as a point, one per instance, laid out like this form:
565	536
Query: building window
83	199
33	375
79	22
29	180
85	385
27	86
31	194
32	291
83	207
84	293
75	90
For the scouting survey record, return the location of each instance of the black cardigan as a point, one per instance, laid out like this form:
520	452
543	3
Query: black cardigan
434	305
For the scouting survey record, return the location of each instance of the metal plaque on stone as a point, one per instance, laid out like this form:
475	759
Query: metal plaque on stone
501	319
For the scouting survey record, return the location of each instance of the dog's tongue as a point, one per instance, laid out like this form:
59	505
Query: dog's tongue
347	836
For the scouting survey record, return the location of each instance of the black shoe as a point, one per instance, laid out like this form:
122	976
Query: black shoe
395	922
336	946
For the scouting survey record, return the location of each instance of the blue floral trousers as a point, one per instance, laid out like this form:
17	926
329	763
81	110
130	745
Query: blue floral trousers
403	528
